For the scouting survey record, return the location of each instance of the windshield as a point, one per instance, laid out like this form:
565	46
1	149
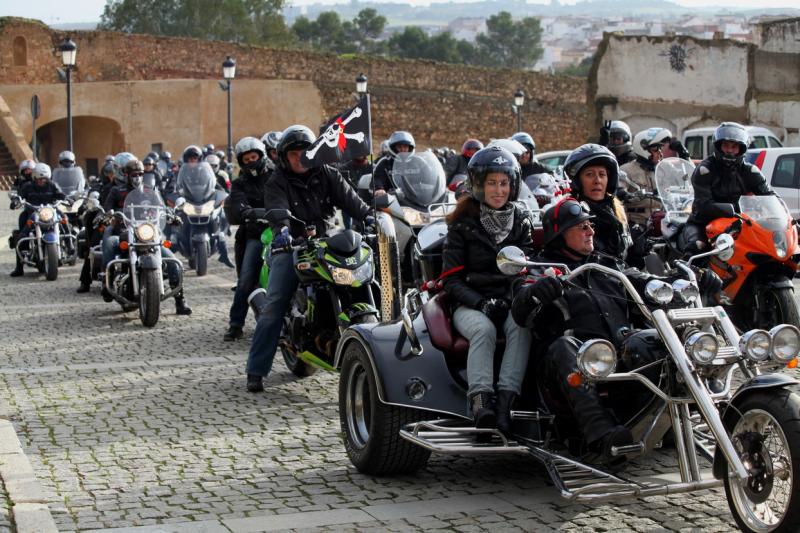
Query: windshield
69	179
673	179
768	211
145	205
149	180
420	176
196	182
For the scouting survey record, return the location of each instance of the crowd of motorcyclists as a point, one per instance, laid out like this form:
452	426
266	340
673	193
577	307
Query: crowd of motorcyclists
597	214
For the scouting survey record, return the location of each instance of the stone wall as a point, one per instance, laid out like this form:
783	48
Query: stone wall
440	104
778	35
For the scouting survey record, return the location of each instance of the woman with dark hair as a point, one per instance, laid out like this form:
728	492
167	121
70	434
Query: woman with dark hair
594	173
484	221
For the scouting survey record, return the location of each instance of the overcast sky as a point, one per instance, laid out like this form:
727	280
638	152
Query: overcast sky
62	11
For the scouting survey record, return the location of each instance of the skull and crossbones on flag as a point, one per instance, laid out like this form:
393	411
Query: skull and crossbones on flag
345	137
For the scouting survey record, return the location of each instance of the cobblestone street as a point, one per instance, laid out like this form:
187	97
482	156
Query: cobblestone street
127	428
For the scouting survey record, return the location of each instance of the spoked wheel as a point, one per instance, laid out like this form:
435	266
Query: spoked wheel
370	428
767	438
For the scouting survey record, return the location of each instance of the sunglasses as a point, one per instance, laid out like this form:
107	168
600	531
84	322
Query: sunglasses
586	226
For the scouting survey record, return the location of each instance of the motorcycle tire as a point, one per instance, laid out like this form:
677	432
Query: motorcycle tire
297	366
201	259
51	262
769	425
371	428
149	298
784	307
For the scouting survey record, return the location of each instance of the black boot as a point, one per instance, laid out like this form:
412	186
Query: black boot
618	436
254	383
223	255
83	288
505	401
482	412
233	333
181	307
17	270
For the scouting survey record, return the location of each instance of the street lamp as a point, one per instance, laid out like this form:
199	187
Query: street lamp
229	72
69	51
519	101
361	85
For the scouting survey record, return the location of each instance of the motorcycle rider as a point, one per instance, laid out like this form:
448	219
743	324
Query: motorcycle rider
41	190
458	163
311	195
133	171
563	315
66	159
484	221
616	136
399	142
149	165
223	180
246	198
722	177
92	235
647	145
25	174
209	149
271	140
594	176
530	165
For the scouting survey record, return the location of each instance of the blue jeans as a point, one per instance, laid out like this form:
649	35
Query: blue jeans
247	282
270	320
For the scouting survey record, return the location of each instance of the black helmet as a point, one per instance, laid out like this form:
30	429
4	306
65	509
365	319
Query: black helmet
148	161
488	160
192	151
166	156
565	214
152	155
620	129
251	144
209	149
597	155
271	140
400	137
108	170
470	146
133	170
220	154
525	140
734	132
294	138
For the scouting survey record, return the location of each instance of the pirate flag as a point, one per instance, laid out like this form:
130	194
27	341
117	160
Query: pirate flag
345	137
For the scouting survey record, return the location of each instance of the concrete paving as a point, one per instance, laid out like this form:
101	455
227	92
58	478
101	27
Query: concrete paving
137	430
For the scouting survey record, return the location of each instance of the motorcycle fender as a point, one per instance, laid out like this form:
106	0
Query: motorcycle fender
395	368
780	283
148	262
200	237
50	237
766	381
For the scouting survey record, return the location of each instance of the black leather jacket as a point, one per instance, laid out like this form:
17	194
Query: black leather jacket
36	195
247	192
455	165
716	183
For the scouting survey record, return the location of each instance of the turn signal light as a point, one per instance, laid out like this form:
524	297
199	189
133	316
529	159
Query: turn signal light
792	363
123	245
167	244
575	379
30	223
63	220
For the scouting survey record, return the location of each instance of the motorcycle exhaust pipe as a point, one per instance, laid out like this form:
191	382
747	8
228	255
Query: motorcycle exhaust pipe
258	301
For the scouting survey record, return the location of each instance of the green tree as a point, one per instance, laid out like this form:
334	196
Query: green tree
367	26
509	43
332	34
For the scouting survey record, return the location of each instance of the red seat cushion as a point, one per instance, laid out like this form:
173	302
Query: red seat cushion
443	335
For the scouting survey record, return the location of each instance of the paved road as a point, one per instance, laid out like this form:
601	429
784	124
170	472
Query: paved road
128	427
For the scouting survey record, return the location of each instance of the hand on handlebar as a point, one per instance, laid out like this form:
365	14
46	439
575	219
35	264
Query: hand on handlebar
283	240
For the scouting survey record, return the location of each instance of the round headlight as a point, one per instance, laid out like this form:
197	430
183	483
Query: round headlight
686	290
785	342
145	232
658	291
46	214
755	345
702	347
597	358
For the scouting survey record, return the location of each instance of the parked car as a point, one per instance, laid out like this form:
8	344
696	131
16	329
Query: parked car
781	168
698	140
553	160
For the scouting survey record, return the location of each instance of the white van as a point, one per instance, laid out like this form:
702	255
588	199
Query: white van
698	140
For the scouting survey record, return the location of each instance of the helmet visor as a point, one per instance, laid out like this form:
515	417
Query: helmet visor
420	176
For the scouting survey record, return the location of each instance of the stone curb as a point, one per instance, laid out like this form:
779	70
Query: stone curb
28	502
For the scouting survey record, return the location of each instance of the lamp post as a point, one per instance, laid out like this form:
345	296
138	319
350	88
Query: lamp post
69	51
361	85
519	101
229	72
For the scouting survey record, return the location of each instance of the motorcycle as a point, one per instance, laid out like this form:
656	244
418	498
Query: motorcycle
402	396
42	249
200	207
72	184
757	279
135	278
92	232
336	290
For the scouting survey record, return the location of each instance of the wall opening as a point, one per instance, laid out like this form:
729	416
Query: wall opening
92	139
20	47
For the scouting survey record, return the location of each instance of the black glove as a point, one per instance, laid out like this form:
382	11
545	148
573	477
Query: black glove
605	133
495	308
709	282
176	221
546	290
253	213
677	146
623	195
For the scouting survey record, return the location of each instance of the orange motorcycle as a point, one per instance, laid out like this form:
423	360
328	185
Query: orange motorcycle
757	280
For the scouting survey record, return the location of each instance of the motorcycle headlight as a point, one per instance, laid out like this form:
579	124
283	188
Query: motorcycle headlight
658	291
686	290
755	345
46	214
779	239
702	347
205	209
342	276
414	217
785	342
145	232
597	358
363	273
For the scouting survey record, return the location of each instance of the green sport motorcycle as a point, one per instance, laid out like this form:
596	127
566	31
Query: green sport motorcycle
337	289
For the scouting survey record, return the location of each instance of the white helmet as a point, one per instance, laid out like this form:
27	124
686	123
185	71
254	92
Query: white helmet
646	139
41	171
213	160
67	156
